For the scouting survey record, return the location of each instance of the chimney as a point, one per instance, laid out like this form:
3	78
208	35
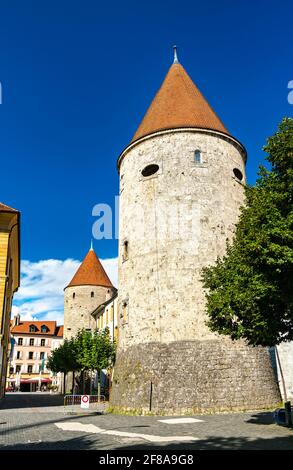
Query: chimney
16	320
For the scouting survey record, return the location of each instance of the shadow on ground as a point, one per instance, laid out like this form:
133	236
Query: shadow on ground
27	400
262	418
208	443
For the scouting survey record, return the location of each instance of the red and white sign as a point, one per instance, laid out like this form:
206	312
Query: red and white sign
85	401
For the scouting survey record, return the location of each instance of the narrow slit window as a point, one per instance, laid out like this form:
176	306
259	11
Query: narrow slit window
125	250
197	156
125	311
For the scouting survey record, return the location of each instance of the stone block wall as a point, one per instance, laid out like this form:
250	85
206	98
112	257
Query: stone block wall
193	377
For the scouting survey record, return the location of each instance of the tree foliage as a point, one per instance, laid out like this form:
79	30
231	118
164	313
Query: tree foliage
63	359
249	292
89	350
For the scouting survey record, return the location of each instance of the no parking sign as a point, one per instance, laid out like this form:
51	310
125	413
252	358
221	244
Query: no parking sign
85	401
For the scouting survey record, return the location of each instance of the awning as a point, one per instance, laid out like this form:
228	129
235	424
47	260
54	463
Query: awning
35	380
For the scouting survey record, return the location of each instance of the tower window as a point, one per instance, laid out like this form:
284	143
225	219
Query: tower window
197	156
150	170
125	250
124	312
73	295
238	174
92	294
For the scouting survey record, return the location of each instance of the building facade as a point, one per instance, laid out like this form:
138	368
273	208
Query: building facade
181	186
31	345
89	288
9	280
106	316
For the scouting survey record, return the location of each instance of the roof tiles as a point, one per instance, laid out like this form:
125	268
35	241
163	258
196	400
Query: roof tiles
177	104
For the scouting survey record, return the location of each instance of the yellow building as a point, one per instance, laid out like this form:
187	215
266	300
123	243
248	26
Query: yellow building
9	279
106	316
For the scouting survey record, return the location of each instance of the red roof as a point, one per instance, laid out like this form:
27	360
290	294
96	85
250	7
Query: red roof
24	328
91	273
178	103
4	208
59	331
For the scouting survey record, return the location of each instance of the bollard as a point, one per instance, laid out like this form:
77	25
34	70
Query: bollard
288	413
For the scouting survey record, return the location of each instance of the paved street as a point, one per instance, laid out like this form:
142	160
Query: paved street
37	421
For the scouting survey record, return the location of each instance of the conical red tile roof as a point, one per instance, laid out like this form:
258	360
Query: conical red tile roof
178	103
91	273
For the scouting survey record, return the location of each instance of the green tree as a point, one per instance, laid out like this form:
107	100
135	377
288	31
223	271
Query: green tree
94	350
250	291
87	351
63	359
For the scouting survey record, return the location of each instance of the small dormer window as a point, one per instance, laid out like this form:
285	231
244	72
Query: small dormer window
44	329
197	156
32	329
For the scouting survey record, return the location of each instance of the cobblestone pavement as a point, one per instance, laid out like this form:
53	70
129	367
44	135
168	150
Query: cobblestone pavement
35	421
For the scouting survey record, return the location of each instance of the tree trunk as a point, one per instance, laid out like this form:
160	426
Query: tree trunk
73	380
64	383
83	382
99	386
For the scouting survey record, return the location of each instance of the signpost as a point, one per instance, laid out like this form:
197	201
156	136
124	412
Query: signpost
85	401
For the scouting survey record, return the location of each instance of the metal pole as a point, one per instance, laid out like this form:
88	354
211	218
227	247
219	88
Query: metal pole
151	396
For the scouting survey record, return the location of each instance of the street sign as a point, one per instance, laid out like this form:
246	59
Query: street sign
85	401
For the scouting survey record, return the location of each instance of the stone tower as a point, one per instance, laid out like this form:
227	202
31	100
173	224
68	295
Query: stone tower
181	186
89	287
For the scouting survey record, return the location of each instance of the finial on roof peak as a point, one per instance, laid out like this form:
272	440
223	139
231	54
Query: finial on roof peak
176	61
92	249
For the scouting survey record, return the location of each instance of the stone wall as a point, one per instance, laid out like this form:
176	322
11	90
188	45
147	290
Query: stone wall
193	377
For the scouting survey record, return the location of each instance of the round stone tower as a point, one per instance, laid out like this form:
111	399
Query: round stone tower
89	287
181	187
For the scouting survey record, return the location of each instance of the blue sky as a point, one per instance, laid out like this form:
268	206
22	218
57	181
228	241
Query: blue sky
77	77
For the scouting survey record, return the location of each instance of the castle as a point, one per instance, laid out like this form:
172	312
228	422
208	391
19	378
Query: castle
182	183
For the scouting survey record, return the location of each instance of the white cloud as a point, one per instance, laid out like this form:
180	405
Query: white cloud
40	295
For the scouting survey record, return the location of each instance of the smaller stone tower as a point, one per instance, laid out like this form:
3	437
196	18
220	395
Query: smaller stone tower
89	287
